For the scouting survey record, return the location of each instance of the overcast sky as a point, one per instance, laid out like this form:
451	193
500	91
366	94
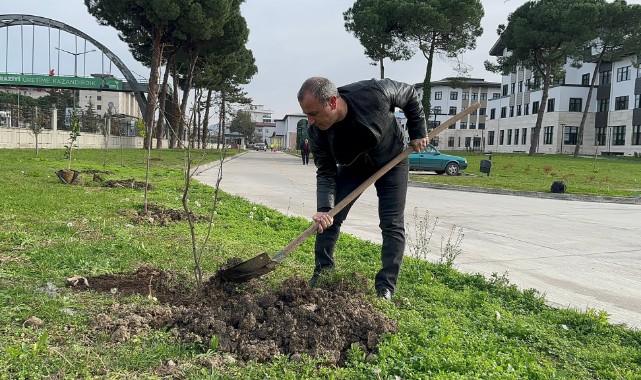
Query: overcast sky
291	41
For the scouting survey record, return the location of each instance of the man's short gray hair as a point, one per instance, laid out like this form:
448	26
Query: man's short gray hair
320	88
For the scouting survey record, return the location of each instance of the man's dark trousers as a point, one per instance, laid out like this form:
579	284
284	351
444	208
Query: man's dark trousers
391	190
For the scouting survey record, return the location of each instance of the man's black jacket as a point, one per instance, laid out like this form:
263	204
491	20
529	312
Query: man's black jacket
376	136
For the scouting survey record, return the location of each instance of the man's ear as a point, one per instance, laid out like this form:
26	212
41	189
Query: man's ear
333	102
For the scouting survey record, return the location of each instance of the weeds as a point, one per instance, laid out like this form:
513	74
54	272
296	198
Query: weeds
423	230
451	248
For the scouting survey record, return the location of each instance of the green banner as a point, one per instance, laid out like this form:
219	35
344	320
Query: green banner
61	82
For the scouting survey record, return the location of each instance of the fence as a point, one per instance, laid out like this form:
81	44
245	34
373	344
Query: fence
23	138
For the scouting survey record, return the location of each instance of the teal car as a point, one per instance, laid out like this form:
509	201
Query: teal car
431	159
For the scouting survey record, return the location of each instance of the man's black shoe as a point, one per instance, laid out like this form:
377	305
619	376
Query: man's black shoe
384	293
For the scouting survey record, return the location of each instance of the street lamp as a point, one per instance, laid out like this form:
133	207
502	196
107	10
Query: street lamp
75	66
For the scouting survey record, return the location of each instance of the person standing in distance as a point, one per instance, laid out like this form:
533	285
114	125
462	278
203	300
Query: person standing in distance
353	132
304	151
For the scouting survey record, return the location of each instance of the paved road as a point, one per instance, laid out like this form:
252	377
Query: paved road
578	254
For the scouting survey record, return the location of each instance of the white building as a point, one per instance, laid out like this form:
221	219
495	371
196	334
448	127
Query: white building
613	125
290	128
449	97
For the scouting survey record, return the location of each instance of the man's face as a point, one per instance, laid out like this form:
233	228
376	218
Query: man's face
323	116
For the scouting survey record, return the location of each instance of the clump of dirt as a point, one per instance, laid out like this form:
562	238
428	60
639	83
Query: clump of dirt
123	183
250	321
159	214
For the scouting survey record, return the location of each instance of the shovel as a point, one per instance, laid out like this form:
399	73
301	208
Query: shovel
263	263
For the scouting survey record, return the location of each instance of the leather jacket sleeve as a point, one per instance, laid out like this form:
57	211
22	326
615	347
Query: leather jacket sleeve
405	97
326	169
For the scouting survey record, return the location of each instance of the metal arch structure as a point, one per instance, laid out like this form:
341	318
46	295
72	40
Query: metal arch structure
20	19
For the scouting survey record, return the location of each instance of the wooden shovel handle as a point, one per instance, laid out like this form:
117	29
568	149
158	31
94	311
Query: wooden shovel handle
379	173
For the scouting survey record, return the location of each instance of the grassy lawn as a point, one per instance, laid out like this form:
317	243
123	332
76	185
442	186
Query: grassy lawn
450	325
611	176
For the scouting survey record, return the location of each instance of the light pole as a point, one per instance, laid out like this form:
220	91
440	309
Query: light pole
75	65
562	136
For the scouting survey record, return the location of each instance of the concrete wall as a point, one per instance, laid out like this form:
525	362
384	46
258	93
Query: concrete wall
22	138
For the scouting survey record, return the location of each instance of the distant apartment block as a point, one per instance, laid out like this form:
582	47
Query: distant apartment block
613	124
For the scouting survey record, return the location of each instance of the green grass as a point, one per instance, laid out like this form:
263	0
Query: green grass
451	325
606	176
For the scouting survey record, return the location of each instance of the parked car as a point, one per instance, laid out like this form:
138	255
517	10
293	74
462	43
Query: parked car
431	159
260	146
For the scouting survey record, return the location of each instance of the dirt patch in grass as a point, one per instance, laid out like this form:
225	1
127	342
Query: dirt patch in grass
161	215
123	183
250	321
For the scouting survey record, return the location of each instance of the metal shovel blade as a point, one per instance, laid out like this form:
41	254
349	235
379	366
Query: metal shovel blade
252	268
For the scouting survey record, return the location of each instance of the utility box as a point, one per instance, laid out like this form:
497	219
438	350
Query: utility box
486	166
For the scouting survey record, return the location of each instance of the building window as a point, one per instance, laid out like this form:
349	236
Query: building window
98	97
453	95
524	137
637	101
472	125
465	96
621	103
501	136
570	135
482	111
527	109
483	96
434	141
537	82
535	107
490	138
605	77
527	84
548	133
503	112
511	111
496	95
516	136
585	79
599	136
481	125
551	105
623	74
452	111
509	137
98	107
505	89
602	105
636	135
618	135
475	96
520	86
518	110
576	104
468	140
514	88
493	113
438	95
436	110
463	125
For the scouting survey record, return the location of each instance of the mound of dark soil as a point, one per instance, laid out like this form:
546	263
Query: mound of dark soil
123	183
249	321
161	215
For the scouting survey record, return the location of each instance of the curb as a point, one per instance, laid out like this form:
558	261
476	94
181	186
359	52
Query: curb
531	194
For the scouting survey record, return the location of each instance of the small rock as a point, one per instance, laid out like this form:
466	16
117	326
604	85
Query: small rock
34	322
76	280
310	307
296	358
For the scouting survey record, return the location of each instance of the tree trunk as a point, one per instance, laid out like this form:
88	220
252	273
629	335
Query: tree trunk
427	87
534	138
156	56
380	63
221	123
161	114
579	138
175	117
205	133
